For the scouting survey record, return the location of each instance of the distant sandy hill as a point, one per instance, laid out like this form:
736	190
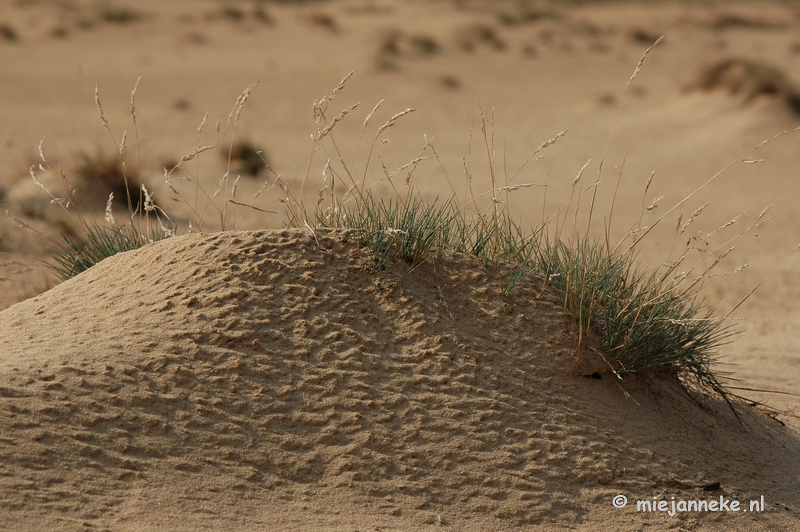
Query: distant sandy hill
264	380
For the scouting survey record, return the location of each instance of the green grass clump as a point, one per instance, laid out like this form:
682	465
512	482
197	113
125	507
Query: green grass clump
97	243
146	220
644	322
406	230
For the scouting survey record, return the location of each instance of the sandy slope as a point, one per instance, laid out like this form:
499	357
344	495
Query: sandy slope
540	69
178	384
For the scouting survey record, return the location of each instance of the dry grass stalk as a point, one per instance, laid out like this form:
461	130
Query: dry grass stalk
613	128
711	180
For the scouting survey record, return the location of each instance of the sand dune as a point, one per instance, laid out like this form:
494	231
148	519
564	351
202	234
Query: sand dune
264	379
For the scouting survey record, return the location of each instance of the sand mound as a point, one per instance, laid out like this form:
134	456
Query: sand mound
264	380
750	80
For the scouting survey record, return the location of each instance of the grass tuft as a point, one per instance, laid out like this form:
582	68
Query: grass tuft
644	323
97	243
638	320
247	158
406	230
750	80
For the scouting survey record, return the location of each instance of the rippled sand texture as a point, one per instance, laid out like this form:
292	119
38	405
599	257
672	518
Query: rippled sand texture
258	370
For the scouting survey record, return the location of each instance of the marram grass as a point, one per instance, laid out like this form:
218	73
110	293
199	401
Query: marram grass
99	242
644	322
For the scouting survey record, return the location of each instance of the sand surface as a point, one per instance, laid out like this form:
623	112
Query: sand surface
262	379
170	385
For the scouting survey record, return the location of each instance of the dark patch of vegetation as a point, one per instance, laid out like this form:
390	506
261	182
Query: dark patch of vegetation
105	173
524	15
643	36
8	33
725	21
232	13
59	32
750	79
261	15
470	38
423	45
451	82
247	159
323	20
120	15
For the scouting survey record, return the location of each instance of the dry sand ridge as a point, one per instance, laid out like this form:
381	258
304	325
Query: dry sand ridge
221	380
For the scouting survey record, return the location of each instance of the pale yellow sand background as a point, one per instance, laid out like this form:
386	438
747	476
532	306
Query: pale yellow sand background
549	67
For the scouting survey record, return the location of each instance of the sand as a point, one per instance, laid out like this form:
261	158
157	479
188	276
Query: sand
262	379
175	385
